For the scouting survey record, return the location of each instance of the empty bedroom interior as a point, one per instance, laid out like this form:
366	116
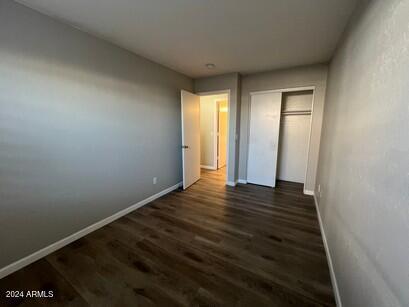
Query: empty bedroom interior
204	153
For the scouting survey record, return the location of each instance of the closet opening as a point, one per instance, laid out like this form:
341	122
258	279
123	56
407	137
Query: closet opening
279	136
293	145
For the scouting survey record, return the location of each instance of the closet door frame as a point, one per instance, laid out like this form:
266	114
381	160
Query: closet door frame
286	90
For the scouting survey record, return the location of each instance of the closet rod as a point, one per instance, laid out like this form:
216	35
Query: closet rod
296	113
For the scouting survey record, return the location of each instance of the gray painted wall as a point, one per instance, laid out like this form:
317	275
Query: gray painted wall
85	126
315	75
364	158
227	82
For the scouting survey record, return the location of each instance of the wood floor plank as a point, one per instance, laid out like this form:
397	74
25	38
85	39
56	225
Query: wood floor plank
210	245
39	276
289	272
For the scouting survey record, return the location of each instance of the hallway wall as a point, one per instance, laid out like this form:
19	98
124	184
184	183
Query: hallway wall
364	158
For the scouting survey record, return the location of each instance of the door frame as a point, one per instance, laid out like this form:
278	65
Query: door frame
286	90
215	127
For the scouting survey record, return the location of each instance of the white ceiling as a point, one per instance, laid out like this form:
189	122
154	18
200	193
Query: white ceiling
237	35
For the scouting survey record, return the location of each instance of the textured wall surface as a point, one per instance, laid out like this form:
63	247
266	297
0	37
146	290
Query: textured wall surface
364	158
84	127
315	75
227	82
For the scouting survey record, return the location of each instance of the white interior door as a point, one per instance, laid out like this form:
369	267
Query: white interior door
293	149
190	105
265	111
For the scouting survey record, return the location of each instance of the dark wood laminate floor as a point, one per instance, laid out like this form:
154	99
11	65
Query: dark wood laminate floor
211	245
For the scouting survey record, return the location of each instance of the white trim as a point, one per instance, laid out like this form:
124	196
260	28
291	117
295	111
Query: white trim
309	141
242	181
308	192
228	92
330	265
209	93
208	167
83	232
285	90
231	183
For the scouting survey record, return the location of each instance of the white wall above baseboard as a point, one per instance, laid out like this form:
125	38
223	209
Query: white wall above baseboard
327	252
243	181
19	264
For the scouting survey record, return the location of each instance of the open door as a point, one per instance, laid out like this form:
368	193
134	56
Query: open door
265	113
190	105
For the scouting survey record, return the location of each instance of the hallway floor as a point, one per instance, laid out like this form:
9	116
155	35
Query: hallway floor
210	245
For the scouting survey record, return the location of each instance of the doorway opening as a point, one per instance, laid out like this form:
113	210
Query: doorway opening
214	127
293	145
205	135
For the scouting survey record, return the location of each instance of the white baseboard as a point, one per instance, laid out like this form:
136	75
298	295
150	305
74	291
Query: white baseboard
308	192
231	183
83	232
208	167
242	181
330	265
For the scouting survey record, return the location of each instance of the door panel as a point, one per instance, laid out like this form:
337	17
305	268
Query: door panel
190	106
293	149
222	136
265	111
